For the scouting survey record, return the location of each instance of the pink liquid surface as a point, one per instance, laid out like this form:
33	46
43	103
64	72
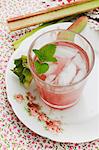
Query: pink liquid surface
59	90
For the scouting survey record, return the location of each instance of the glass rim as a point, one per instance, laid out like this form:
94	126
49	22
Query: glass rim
68	85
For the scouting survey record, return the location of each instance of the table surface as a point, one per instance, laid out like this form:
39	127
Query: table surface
13	134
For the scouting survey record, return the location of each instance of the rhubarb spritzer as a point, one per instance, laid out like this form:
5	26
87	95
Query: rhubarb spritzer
60	66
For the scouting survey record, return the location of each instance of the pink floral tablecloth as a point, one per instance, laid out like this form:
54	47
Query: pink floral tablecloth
13	134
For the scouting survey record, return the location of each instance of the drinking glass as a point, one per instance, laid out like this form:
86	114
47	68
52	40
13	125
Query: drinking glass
61	96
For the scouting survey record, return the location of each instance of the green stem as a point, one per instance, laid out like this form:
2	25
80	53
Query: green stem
17	43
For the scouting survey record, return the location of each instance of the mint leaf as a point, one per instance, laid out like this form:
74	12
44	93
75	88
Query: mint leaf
39	55
49	48
52	59
41	67
47	52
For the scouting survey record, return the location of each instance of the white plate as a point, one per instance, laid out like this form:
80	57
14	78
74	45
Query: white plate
79	123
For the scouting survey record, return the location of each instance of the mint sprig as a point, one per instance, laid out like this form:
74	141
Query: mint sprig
44	54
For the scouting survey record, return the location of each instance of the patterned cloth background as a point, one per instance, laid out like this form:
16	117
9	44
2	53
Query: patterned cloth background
13	134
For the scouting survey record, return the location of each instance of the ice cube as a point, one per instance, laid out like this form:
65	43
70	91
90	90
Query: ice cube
67	74
63	51
79	61
79	76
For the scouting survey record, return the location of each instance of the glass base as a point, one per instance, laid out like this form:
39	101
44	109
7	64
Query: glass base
60	107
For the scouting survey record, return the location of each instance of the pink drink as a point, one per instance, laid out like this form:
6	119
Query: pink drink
61	86
72	65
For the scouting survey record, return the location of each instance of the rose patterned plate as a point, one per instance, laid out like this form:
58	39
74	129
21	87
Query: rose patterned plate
79	123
